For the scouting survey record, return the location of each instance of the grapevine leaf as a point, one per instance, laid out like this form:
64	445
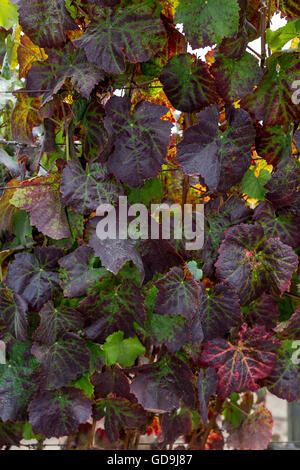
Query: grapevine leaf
206	22
291	328
283	188
158	256
221	158
122	351
8	14
13	314
85	190
254	186
262	311
274	145
55	322
219	310
162	385
207	386
174	425
277	39
271	102
58	413
60	65
177	295
252	264
255	431
7	210
128	33
25	117
188	83
62	361
40	197
79	273
95	137
236	78
291	8
120	412
241	366
33	277
140	139
112	380
10	433
53	20
27	55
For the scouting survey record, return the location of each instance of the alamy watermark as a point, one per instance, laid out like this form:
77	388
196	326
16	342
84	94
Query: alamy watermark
2	352
166	222
296	94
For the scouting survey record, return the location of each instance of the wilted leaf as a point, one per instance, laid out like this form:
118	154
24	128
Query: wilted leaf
28	53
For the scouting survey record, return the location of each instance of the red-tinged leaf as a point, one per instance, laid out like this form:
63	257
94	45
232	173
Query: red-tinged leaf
206	386
274	145
53	20
220	158
206	22
13	314
55	322
271	102
162	385
240	366
278	224
78	272
41	198
34	276
62	361
25	117
58	413
28	53
284	380
290	329
188	83
177	295
85	190
114	309
262	311
112	380
7	210
252	264
142	137
174	425
126	32
219	310
120	412
10	433
255	432
235	78
60	65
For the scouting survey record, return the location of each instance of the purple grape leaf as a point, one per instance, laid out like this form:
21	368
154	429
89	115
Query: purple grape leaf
55	322
60	65
13	314
114	309
42	200
174	425
112	380
95	137
284	380
206	22
283	224
53	20
297	139
235	78
105	3
177	295
85	190
10	433
271	102
17	383
291	8
49	142
254	433
219	216
78	272
188	83
219	310
274	145
34	276
120	412
162	385
206	386
140	139
252	264
220	158
127	32
114	253
262	311
290	329
58	413
283	187
158	256
241	366
62	361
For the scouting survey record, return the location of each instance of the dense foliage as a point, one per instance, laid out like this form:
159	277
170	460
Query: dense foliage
108	99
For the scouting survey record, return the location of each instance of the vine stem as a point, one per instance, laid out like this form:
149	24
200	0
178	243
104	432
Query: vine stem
263	26
127	440
69	441
211	423
186	179
92	434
